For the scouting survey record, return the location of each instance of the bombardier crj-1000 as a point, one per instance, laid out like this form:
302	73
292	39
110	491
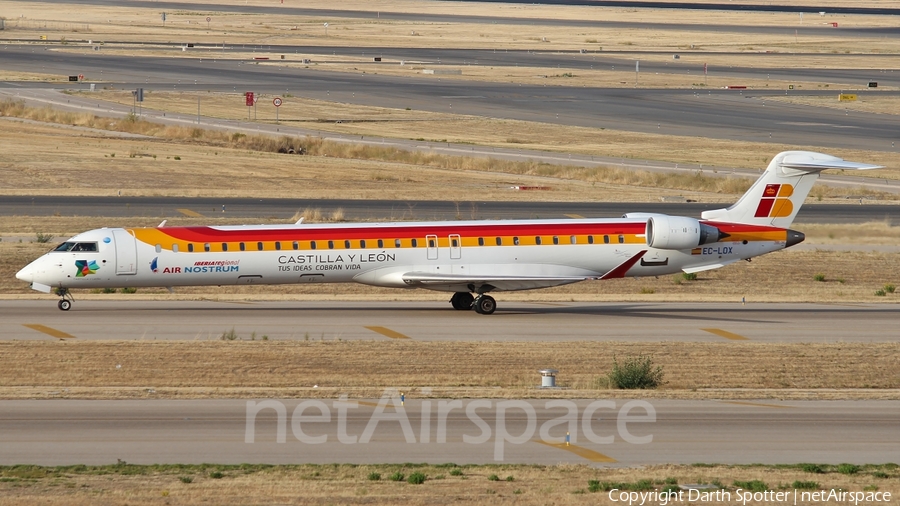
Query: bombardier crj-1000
468	258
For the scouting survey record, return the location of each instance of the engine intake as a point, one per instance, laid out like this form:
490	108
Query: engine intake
680	232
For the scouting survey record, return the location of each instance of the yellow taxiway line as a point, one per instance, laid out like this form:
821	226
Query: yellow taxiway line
725	334
188	212
49	330
393	334
574	216
580	451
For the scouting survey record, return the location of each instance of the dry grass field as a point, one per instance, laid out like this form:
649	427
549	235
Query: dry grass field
211	367
444	485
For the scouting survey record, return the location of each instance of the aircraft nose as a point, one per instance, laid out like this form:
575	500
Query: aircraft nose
26	274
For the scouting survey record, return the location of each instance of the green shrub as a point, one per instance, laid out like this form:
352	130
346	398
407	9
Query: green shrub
819	277
510	478
456	472
42	238
216	475
129	289
186	479
805	485
374	476
230	335
889	288
752	485
812	468
881	474
493	477
848	468
635	373
689	276
109	290
594	486
880	293
416	478
397	476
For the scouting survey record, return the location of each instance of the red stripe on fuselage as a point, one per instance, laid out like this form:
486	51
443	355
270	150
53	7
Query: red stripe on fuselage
209	234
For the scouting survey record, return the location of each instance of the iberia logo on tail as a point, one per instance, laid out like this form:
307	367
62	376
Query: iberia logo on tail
775	201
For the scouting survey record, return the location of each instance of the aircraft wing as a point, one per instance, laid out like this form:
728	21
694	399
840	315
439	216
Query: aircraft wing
463	282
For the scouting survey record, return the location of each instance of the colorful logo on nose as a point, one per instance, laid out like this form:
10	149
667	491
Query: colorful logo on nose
775	201
86	267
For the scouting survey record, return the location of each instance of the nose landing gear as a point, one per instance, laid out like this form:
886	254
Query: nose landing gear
66	299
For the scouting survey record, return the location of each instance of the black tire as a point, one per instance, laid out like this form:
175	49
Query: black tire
485	304
462	301
64	305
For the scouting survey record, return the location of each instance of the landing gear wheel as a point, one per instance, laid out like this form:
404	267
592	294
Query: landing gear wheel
66	299
462	301
485	304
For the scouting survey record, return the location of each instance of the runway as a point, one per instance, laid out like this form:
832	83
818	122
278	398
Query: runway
65	432
436	321
717	114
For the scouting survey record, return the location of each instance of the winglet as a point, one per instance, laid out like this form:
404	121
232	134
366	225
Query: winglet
620	270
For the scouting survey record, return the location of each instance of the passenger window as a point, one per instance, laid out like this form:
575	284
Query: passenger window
296	245
346	244
516	241
573	239
330	244
158	248
362	244
206	246
590	239
537	240
454	242
415	243
243	247
190	247
259	246
499	241
431	243
277	245
621	239
396	243
224	246
605	239
380	243
481	241
175	248
555	239
312	244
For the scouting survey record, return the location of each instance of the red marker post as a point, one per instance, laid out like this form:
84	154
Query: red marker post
249	101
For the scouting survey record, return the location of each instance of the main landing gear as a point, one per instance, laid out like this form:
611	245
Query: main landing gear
483	304
66	299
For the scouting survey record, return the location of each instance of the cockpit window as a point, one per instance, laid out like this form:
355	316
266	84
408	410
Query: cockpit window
77	246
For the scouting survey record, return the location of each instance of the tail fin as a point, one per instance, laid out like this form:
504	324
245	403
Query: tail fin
777	195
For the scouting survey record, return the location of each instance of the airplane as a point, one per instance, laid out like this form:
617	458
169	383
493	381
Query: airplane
468	258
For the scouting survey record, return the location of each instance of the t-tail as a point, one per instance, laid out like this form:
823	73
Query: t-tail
776	197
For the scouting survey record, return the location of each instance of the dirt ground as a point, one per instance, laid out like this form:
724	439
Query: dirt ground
444	484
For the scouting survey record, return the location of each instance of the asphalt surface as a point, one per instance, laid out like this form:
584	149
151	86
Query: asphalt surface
717	114
437	321
388	210
62	432
426	17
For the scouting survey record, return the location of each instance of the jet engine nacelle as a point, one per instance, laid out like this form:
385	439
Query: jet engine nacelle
679	232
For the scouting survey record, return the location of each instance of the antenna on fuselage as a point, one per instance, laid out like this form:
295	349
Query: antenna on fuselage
299	221
162	224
